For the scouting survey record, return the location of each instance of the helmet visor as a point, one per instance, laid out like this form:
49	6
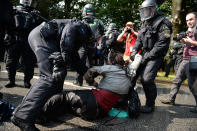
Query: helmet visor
146	13
29	3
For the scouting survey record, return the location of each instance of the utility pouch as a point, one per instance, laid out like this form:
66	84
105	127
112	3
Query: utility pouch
193	64
49	30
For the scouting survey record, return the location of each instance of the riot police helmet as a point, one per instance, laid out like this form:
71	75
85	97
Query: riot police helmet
88	10
29	3
148	10
112	26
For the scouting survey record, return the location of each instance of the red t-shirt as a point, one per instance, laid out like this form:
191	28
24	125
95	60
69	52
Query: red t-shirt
130	41
105	99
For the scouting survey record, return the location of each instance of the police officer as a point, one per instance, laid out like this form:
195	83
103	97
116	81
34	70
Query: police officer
6	24
154	39
89	54
25	21
55	43
108	42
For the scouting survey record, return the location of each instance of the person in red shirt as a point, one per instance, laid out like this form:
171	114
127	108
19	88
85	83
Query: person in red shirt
129	35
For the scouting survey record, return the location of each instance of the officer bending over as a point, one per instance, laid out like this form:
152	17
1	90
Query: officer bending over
55	44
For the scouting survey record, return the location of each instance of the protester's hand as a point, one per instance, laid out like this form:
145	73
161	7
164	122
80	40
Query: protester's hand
125	29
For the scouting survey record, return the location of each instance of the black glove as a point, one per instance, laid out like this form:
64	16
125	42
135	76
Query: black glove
132	56
59	69
145	59
59	73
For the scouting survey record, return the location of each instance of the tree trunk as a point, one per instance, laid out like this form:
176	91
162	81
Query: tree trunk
178	16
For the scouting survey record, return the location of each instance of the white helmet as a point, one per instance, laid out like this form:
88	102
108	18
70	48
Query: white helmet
148	10
29	3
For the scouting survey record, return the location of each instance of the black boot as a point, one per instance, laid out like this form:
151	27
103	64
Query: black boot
78	81
10	84
147	109
27	85
24	126
1	95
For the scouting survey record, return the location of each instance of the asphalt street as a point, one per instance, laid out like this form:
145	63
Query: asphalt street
164	118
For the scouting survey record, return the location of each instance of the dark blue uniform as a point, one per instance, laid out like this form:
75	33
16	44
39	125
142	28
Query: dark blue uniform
19	47
154	40
65	36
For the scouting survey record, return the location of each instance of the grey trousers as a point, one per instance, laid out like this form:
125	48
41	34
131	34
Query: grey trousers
183	73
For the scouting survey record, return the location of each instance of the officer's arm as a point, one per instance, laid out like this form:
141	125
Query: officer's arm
161	46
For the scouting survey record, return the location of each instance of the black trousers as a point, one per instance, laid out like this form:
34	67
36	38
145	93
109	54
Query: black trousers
148	72
16	50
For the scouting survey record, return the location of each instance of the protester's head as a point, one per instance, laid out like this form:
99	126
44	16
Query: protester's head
148	10
29	3
88	10
115	58
191	19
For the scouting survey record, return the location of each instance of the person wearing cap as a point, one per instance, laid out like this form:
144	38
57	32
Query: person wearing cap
129	35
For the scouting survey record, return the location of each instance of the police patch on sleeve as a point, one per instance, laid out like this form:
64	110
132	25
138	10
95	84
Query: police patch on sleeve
166	31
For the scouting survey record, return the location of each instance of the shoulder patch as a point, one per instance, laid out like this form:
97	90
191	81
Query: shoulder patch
166	31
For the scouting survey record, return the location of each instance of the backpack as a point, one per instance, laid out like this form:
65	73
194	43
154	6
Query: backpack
134	104
6	110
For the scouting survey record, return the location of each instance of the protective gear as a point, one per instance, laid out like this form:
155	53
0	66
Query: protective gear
148	10
147	109
134	65
112	26
145	58
29	3
153	39
88	10
49	30
10	84
59	69
132	56
24	126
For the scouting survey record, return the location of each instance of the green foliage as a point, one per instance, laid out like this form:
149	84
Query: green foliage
166	8
116	11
